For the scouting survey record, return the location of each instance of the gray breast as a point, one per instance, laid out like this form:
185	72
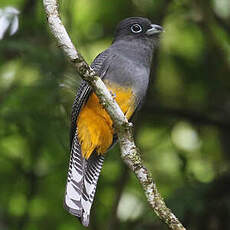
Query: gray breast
127	72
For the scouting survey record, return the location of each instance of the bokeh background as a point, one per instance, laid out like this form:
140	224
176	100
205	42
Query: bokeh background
183	129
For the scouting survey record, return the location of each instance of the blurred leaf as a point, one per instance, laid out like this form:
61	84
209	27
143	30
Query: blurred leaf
17	204
8	21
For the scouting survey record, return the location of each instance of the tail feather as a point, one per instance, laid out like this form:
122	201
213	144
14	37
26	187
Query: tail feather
72	202
91	176
81	182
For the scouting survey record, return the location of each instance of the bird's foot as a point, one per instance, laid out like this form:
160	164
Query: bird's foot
113	94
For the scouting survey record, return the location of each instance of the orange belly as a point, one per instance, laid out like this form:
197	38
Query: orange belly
95	128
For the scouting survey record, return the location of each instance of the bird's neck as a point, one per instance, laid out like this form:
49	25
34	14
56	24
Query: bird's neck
136	50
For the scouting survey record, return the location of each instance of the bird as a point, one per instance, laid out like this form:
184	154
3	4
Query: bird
124	68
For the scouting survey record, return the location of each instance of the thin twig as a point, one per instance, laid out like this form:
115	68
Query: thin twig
205	118
129	152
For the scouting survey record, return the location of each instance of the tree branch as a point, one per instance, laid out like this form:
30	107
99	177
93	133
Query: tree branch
198	118
129	152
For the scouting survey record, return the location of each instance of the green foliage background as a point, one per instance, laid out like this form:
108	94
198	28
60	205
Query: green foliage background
182	130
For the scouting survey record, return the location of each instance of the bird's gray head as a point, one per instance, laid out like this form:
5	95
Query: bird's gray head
137	28
137	35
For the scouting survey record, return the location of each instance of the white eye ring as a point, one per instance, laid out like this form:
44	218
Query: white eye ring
136	28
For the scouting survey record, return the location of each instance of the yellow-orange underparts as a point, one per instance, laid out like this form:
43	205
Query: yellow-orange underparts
95	131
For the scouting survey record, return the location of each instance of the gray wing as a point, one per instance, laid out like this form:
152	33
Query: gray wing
83	174
100	66
82	95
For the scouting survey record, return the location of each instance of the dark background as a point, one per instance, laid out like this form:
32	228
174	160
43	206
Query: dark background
182	130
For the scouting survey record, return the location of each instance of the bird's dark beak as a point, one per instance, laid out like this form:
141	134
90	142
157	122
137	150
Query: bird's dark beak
155	29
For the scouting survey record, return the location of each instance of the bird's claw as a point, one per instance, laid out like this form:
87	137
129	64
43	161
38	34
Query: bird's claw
113	94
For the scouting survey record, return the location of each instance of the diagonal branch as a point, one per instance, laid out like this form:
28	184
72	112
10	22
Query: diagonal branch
129	152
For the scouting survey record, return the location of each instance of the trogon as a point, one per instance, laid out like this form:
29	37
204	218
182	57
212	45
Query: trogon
125	69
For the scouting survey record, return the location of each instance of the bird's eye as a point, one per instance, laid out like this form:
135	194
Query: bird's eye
136	28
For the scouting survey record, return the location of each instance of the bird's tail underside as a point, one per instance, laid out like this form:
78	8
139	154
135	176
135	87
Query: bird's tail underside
81	182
